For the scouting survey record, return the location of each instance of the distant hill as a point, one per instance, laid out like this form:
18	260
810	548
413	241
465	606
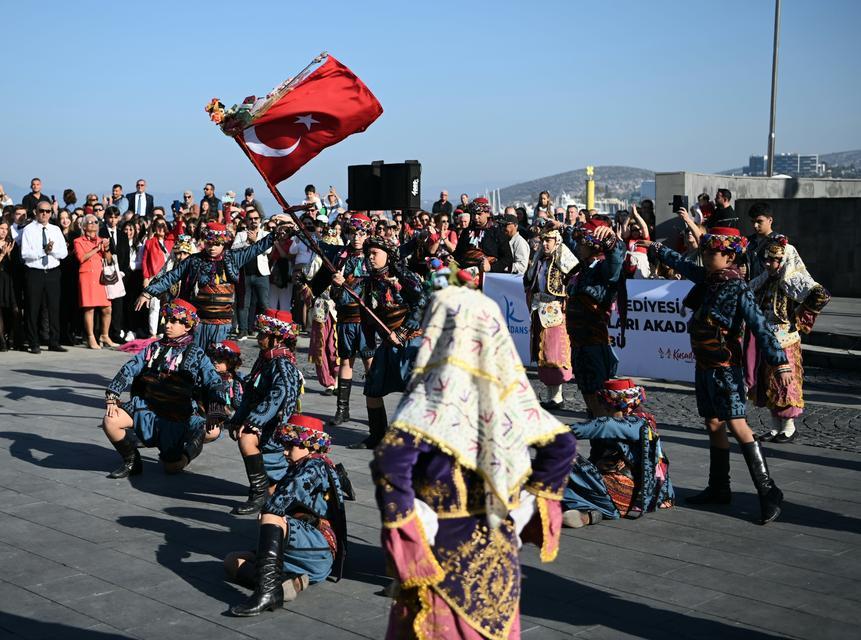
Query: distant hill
614	181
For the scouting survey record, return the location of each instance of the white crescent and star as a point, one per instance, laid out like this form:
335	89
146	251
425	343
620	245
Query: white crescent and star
262	149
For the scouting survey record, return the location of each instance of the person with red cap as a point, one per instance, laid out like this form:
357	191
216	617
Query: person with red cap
272	390
483	245
628	472
209	278
164	379
303	528
723	305
591	294
226	358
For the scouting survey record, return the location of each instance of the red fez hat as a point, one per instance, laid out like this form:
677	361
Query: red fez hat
619	384
361	217
185	305
594	223
724	231
231	346
215	226
481	201
306	422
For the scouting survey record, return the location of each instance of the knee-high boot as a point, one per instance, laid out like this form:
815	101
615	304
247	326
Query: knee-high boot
717	491
342	414
378	422
268	592
131	458
259	483
770	497
194	444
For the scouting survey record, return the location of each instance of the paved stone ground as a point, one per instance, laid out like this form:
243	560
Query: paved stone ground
82	556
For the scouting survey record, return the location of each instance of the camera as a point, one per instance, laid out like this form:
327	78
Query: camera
679	202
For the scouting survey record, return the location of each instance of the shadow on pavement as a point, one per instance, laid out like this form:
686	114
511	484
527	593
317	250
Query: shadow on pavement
94	379
63	394
552	597
32	628
60	454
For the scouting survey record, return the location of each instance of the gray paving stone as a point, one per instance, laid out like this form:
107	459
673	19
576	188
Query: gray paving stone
143	559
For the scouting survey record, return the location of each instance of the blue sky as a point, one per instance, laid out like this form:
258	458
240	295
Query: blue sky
482	93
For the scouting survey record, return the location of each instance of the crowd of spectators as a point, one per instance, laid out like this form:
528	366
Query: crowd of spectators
56	258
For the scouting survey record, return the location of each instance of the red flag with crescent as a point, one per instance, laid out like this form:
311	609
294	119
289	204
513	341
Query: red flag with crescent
319	110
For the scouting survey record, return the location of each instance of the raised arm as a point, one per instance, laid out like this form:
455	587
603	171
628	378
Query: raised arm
677	263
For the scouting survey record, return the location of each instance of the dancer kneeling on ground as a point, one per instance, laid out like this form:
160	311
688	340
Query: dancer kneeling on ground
722	304
627	473
226	358
306	509
455	485
164	378
272	390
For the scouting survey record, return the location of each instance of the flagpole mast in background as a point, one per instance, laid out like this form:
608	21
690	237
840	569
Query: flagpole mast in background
770	161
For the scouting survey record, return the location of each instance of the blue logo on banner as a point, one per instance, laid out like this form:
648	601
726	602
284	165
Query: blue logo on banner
509	312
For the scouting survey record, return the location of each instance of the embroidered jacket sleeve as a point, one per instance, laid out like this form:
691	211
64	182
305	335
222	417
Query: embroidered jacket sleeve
243	256
282	394
416	296
677	263
766	341
127	373
608	429
302	489
403	536
354	276
166	280
611	268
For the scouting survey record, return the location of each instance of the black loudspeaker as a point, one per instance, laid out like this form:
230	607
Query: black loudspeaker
385	186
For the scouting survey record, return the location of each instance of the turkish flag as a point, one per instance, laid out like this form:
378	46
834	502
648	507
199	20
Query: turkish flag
321	110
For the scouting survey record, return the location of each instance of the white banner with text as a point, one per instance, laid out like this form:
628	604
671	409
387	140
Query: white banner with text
507	292
656	342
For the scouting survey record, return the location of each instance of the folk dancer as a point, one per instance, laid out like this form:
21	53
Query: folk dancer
628	472
397	296
455	484
272	391
323	346
209	279
721	302
591	294
790	299
303	531
355	337
163	379
546	279
483	245
226	358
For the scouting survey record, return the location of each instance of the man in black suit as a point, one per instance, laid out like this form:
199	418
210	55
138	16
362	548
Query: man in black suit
110	229
140	202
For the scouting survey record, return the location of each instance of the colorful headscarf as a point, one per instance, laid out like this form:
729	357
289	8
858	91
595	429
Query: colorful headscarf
227	352
217	233
279	324
622	395
360	221
380	242
470	397
776	247
185	244
585	234
180	310
304	431
724	239
480	205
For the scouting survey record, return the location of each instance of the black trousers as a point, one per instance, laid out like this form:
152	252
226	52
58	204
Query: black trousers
43	287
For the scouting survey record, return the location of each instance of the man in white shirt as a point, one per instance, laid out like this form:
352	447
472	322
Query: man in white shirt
19	222
140	201
255	273
42	248
519	246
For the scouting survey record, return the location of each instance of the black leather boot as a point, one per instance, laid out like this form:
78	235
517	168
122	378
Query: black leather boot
770	497
268	592
717	491
378	422
131	458
194	444
259	483
342	414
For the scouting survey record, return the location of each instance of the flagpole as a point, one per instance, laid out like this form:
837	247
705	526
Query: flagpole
309	239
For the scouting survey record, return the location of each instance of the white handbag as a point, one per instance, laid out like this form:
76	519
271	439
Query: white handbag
117	289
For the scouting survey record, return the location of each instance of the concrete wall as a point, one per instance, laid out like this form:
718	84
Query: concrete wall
821	217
